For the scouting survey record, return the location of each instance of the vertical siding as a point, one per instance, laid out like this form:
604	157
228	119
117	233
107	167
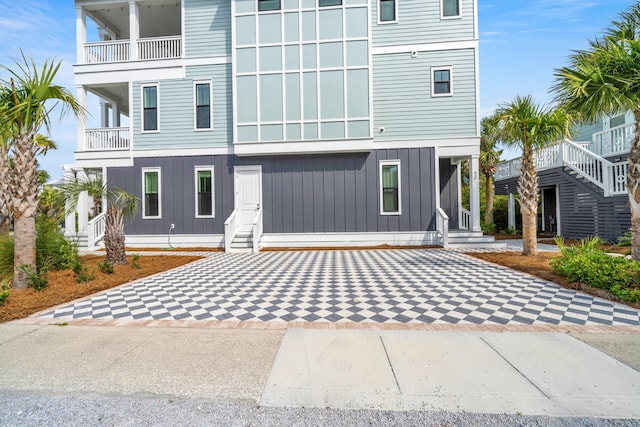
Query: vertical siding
419	22
176	110
449	191
402	101
207	27
310	194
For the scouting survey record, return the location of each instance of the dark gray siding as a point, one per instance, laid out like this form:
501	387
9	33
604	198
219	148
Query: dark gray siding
584	211
300	194
449	191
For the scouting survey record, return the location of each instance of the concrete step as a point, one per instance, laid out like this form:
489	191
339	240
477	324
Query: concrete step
461	239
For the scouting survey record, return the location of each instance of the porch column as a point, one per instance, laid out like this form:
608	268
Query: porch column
81	33
115	115
81	97
474	196
512	212
104	113
134	29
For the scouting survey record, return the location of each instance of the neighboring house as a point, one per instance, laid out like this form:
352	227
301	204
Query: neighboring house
283	123
583	184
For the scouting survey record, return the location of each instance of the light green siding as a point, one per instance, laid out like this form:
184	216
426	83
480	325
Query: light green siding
419	22
207	27
402	101
176	110
585	132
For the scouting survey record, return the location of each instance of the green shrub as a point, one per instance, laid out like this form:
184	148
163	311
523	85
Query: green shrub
488	229
4	292
589	264
6	257
83	276
106	267
625	240
35	280
53	251
135	261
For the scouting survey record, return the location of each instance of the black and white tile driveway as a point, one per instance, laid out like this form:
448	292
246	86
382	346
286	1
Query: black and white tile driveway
385	286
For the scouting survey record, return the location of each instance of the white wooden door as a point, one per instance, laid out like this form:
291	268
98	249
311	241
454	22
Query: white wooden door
248	197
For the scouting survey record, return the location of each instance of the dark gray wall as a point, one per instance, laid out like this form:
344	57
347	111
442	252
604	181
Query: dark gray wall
584	210
449	191
300	194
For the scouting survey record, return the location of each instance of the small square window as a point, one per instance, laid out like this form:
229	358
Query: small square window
267	5
450	8
441	82
387	10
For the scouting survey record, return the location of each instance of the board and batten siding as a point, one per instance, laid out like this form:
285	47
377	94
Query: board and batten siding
419	21
207	28
176	111
402	101
300	194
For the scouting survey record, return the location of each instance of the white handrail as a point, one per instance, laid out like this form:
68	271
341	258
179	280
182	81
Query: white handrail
230	229
107	139
257	230
589	165
96	228
613	141
107	51
442	226
160	48
465	218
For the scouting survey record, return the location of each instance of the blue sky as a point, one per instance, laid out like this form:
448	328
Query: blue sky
521	43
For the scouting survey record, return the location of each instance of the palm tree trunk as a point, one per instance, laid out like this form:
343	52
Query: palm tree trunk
488	190
528	191
114	238
633	187
24	188
5	191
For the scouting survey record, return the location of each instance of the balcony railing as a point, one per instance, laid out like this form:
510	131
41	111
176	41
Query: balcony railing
107	139
613	141
120	51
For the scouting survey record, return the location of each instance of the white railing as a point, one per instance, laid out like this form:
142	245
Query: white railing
257	230
589	165
612	141
106	139
95	229
160	48
442	226
618	178
465	219
548	157
230	230
102	52
508	169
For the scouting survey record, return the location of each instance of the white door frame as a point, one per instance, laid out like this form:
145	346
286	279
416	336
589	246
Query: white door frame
237	188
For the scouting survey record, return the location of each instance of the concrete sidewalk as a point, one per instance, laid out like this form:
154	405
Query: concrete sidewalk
530	373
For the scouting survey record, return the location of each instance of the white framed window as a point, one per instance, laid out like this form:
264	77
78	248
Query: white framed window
450	9
390	189
150	110
387	11
441	81
205	207
202	105
327	3
267	5
151	192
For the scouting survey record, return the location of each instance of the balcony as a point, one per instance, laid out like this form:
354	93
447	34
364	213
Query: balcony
120	51
107	139
613	141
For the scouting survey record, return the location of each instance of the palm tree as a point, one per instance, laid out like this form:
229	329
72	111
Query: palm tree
528	126
5	193
28	99
121	206
605	80
489	157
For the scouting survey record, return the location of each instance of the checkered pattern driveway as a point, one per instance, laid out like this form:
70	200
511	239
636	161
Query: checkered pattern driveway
385	286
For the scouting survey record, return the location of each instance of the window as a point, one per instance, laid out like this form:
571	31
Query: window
202	95
390	187
266	5
450	8
204	192
387	10
441	81
151	191
616	121
325	3
150	108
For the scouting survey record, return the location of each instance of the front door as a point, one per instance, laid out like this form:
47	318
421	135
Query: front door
248	197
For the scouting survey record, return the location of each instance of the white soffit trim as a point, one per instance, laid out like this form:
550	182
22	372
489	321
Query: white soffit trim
425	47
302	147
177	152
120	75
468	143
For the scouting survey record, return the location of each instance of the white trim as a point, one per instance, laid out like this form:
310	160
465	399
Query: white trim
435	69
302	147
381	165
197	169
477	94
142	87
425	47
206	60
177	240
159	171
180	152
458	16
558	212
395	6
395	238
142	69
467	142
95	159
195	107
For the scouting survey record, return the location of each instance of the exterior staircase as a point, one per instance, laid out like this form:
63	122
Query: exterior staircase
464	239
242	242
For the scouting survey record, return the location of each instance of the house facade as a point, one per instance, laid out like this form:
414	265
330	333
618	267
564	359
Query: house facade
266	123
583	183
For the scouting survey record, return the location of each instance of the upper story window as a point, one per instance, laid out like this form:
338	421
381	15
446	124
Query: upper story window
387	10
151	191
266	5
450	8
149	108
441	81
390	187
326	3
202	95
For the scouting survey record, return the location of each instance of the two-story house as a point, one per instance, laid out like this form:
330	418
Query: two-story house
282	123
